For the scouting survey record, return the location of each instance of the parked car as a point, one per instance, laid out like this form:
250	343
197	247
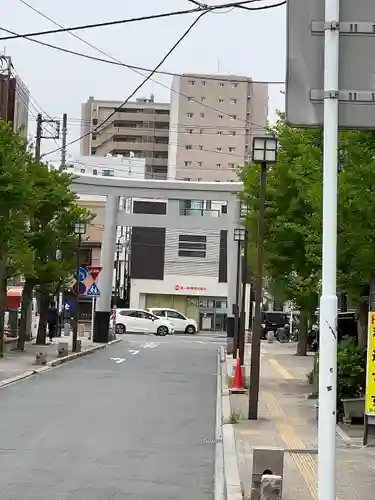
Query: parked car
180	322
140	321
272	321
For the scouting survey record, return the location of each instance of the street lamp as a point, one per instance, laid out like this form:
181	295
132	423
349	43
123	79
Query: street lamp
119	249
79	230
239	237
264	152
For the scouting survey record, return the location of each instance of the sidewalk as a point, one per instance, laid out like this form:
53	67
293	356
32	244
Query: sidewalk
15	363
287	419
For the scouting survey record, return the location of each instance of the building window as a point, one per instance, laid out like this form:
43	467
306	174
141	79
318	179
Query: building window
187	163
219	133
192	82
199	163
201	131
188	146
221	84
201	147
95	172
231	165
203	99
233	132
232	150
203	83
190	115
94	121
190	245
219	149
93	151
189	130
233	101
218	165
202	115
82	170
235	85
189	98
234	117
186	179
220	100
220	117
94	137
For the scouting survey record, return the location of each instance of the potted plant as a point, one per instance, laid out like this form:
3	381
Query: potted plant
351	378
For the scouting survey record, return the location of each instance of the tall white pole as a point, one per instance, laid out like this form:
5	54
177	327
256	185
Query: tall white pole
328	301
92	317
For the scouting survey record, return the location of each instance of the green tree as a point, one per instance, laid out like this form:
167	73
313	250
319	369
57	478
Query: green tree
294	218
51	230
16	203
292	245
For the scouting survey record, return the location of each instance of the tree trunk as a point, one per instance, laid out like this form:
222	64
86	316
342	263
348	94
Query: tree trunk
362	323
42	327
3	296
302	334
27	297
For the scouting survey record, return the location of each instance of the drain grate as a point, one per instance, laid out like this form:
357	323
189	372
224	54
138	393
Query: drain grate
212	441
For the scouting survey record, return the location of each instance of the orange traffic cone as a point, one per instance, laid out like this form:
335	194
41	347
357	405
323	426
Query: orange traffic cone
237	384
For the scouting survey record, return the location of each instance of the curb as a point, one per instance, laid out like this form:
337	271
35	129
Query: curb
56	362
75	355
233	484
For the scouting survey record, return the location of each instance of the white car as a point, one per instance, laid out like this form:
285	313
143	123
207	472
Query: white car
180	322
140	321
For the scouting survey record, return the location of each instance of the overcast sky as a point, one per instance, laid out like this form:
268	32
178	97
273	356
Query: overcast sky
236	42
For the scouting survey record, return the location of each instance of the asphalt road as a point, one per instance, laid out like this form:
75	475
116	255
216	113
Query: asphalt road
140	426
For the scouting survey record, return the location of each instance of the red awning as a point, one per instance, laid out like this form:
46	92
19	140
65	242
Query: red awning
14	297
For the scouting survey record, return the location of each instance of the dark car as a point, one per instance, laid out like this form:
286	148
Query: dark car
272	321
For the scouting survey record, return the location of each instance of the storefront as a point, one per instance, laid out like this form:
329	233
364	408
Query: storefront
203	300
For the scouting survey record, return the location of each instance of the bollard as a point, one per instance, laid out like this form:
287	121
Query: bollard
79	345
66	329
41	356
271	487
266	462
270	337
62	349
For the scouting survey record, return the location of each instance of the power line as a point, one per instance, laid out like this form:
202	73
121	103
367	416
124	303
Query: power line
127	21
164	58
116	62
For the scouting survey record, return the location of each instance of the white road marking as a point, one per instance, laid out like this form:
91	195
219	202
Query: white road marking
133	352
118	360
151	345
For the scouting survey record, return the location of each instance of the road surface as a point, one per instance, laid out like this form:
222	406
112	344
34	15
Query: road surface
139	426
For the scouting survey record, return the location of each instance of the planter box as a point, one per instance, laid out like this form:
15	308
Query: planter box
354	408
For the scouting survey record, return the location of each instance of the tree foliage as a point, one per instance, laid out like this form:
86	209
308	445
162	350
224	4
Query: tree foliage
37	216
294	214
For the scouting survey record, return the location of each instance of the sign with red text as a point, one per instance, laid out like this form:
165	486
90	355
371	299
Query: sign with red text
183	288
94	271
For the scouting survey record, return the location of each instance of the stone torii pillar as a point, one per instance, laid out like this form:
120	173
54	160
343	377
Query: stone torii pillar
107	257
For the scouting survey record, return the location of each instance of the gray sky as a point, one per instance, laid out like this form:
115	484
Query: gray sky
236	42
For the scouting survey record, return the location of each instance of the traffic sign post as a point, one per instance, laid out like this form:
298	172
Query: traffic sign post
93	292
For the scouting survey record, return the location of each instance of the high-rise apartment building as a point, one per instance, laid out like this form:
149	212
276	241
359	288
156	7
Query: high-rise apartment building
139	129
212	122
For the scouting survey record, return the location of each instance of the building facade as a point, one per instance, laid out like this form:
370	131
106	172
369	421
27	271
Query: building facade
182	269
109	166
14	98
212	122
139	129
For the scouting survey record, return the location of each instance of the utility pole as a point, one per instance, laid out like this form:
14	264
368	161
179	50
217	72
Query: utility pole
63	140
39	133
38	141
242	326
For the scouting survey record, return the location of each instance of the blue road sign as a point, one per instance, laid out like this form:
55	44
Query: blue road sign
82	273
93	291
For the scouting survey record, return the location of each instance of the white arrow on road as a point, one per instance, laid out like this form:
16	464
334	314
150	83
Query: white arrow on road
118	360
133	352
151	345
